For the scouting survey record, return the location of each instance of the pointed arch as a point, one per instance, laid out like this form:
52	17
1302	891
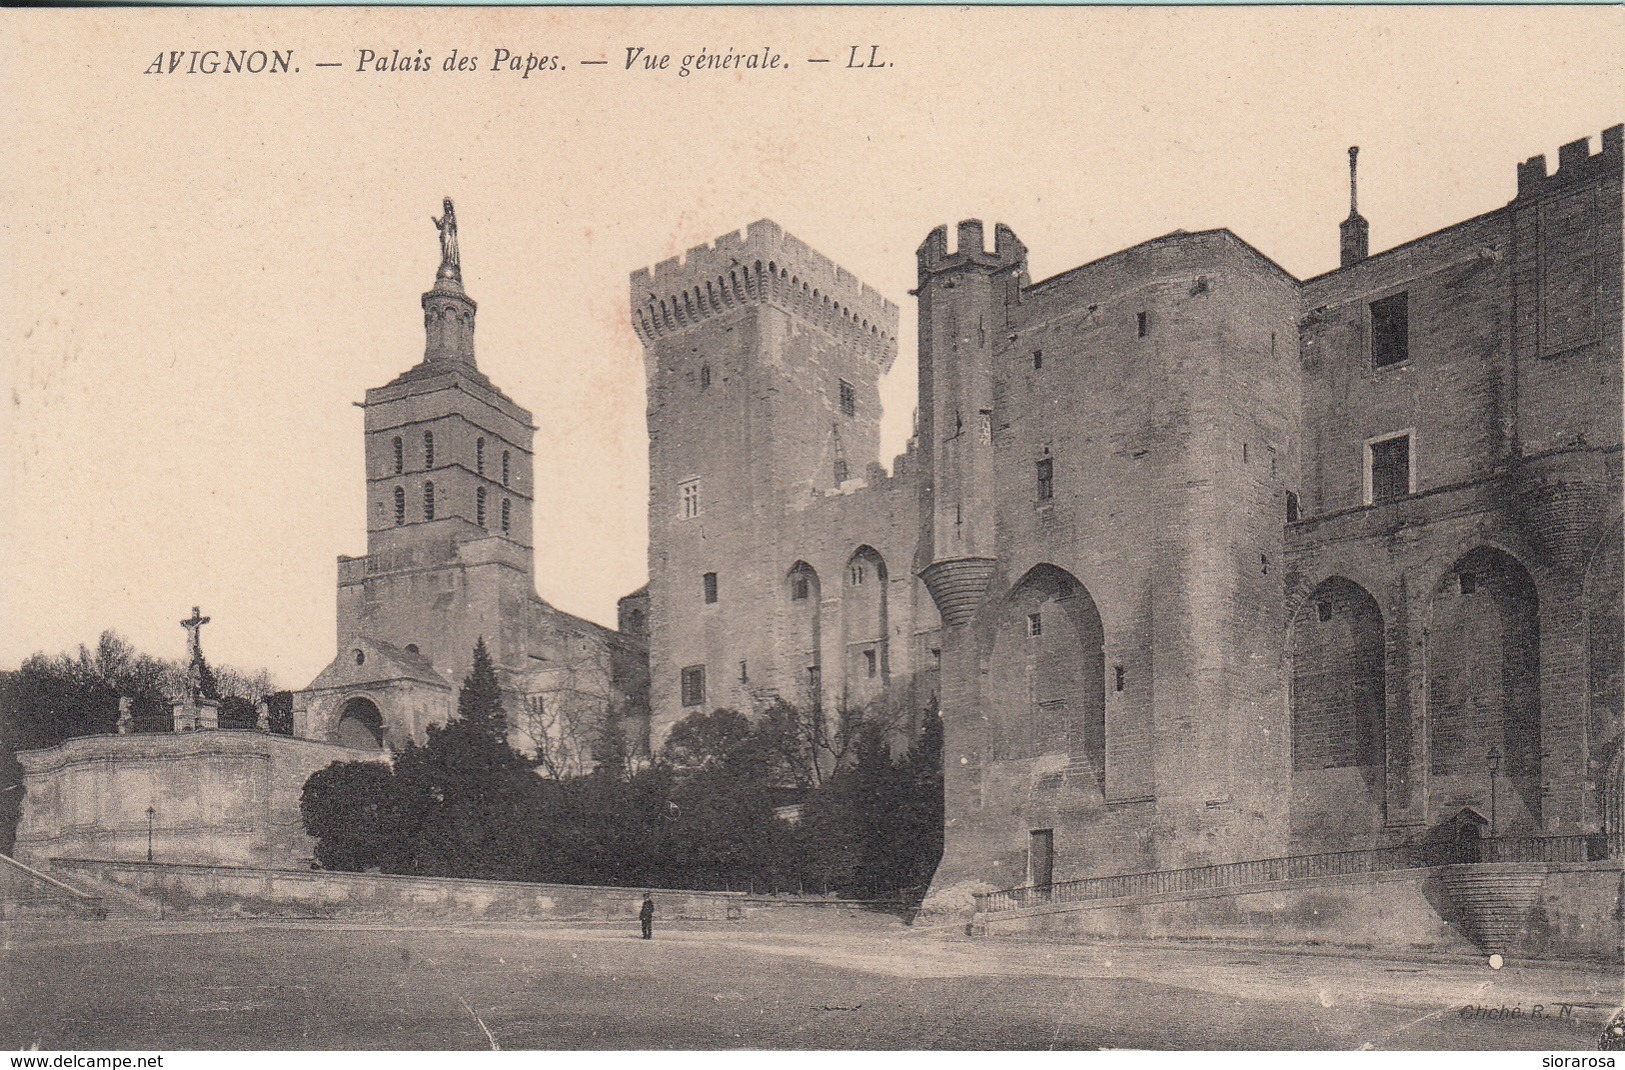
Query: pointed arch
1483	683
865	625
1339	679
803	633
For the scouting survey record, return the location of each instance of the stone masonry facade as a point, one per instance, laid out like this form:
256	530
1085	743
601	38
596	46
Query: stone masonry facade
1200	561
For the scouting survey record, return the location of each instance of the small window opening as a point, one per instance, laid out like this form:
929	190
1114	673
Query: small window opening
1468	581
1390	469
688	496
1035	625
856	575
744	673
1323	611
428	501
705	376
479	506
1046	478
1117	677
504	468
400	456
798	588
1038	360
849	398
1294	511
1142	323
479	456
693	685
1390	330
870	663
507	515
428	449
1264	563
400	506
709	584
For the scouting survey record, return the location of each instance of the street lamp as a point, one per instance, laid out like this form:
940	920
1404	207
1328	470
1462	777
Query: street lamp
1493	759
150	813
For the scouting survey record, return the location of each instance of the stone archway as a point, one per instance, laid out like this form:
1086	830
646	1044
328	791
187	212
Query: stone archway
1338	681
866	657
360	725
803	598
1483	688
1047	682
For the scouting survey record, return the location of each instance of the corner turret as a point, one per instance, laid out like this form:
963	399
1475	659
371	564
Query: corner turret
967	300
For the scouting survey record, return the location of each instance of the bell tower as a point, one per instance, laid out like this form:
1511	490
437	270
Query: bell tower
449	491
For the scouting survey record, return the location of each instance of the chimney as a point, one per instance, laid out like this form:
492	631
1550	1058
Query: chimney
1354	231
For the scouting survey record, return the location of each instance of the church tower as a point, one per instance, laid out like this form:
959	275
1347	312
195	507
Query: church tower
449	539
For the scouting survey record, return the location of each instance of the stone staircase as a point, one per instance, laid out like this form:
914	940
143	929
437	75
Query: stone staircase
25	892
1493	900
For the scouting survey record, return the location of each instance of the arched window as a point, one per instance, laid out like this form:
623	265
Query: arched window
504	468
479	456
428	501
400	504
479	506
400	456
705	376
428	449
507	514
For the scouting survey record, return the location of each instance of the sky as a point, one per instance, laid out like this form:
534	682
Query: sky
199	275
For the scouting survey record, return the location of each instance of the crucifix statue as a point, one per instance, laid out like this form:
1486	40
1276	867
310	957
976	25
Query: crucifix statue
194	645
451	266
193	627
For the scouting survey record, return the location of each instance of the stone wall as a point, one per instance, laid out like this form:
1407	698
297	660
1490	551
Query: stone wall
226	891
229	797
1577	915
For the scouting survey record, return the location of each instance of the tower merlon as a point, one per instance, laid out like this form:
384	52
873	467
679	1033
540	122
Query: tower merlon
970	248
760	263
1575	161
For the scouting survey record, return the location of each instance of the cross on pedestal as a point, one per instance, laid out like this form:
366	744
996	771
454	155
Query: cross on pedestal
193	627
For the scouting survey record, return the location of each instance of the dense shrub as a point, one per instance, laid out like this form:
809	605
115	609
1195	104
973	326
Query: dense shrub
702	814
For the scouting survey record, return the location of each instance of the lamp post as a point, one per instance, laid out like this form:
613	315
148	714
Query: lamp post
150	813
1493	759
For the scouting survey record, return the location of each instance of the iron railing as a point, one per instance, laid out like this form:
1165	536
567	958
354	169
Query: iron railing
1296	867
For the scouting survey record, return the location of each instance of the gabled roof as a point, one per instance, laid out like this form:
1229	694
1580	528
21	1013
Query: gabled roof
381	662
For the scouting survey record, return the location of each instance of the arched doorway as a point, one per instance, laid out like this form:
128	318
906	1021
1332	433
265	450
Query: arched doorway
360	725
1483	695
802	598
863	627
1047	677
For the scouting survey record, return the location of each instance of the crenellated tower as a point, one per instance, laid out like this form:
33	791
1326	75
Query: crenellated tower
763	360
966	300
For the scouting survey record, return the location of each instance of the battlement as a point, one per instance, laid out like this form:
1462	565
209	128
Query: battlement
1575	162
762	263
970	248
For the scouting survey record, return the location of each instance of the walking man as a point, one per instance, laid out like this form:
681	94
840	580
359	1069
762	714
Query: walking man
647	915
